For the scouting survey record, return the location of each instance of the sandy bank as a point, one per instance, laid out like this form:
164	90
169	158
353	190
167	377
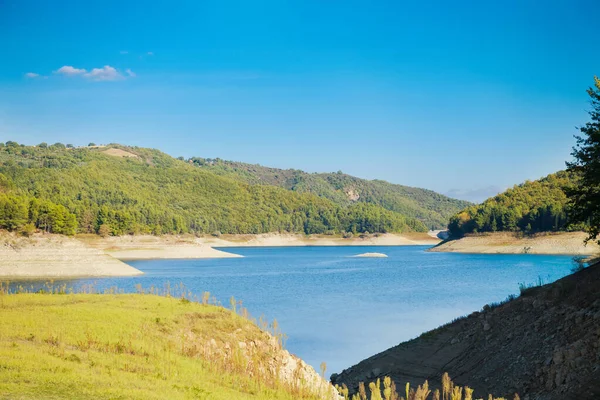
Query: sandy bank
281	240
507	243
166	252
371	255
145	247
53	256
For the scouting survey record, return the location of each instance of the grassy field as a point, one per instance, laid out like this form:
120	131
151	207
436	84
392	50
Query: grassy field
133	346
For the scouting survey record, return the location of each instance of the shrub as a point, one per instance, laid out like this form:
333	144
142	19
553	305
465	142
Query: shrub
28	229
104	230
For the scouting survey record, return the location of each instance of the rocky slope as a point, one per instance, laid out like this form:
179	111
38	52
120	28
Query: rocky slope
544	345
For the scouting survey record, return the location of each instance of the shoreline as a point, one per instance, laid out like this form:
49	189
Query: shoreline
298	240
50	256
556	243
56	256
171	253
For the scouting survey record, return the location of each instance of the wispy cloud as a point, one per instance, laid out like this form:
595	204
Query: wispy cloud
123	52
130	73
476	195
150	53
70	71
32	75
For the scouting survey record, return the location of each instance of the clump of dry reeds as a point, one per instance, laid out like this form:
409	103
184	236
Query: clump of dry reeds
449	391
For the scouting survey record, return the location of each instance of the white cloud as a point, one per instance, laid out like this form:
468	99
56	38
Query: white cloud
70	71
32	75
150	53
106	73
124	52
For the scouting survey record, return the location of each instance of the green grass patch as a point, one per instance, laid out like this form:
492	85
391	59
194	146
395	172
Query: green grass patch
131	346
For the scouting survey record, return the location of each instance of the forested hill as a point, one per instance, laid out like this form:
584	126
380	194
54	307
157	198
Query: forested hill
120	190
534	206
432	208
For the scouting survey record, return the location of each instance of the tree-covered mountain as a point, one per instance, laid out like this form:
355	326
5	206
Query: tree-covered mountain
533	206
432	208
119	190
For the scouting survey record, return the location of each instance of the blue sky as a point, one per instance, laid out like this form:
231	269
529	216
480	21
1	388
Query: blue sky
464	97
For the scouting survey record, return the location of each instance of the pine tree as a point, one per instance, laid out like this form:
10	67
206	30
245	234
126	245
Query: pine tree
585	196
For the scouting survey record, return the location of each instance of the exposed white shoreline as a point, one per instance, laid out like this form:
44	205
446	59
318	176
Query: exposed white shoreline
53	256
57	256
288	240
175	252
567	243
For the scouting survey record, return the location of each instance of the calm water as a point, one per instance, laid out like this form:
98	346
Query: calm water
339	309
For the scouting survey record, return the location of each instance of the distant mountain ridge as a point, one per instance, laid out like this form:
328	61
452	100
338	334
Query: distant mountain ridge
432	208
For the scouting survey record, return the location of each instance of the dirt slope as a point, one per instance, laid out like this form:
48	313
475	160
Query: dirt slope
544	345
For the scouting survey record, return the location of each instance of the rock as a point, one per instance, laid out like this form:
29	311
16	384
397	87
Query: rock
486	326
558	357
454	341
559	379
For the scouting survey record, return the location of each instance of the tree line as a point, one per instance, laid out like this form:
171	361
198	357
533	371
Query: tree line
432	208
67	190
534	206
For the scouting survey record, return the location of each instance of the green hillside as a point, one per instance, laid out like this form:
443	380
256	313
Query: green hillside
120	190
139	346
533	206
432	208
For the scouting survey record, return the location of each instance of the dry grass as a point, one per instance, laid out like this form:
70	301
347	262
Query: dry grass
119	153
375	391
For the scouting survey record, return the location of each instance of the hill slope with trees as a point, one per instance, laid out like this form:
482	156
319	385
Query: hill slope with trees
428	206
120	190
531	207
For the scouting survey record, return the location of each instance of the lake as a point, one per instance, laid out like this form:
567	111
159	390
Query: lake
339	309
